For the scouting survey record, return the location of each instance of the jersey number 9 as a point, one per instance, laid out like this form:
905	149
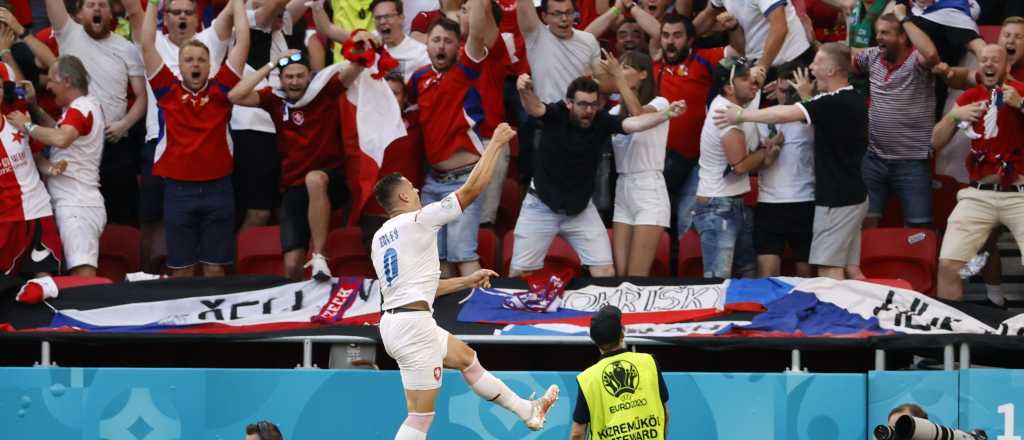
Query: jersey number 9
390	266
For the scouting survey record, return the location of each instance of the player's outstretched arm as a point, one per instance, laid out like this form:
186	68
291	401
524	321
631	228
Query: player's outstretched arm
484	169
480	278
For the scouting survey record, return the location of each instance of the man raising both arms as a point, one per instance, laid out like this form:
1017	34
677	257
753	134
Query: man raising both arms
404	254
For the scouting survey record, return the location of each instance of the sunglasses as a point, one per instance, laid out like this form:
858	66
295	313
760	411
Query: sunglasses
289	60
731	64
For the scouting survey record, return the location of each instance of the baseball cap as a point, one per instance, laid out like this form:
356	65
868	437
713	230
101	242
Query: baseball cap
606	325
729	68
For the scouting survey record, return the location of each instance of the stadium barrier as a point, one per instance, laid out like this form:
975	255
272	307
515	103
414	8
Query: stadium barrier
120	403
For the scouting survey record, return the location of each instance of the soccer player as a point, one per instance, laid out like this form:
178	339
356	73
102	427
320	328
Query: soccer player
195	157
404	254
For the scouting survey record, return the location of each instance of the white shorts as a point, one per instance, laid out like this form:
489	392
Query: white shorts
80	228
642	199
537	226
418	344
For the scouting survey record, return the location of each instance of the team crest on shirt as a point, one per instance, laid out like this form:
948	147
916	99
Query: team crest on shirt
447	203
298	118
194	101
437	374
682	70
17	136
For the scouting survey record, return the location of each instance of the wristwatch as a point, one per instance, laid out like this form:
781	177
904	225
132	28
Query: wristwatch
905	19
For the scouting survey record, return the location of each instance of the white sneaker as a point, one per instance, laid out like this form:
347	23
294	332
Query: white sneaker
541	407
320	270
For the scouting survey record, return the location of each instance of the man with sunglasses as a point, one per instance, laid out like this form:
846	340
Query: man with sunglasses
195	157
181	25
558	201
840	119
305	114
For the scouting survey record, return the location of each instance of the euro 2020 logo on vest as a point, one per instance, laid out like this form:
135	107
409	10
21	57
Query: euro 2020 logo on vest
620	377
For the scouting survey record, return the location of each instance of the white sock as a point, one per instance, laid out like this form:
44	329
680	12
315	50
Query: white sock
995	294
492	389
415	426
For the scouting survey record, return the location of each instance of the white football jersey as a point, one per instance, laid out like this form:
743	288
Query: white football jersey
404	253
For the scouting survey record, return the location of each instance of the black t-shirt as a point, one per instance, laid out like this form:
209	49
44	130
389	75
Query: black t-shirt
840	122
565	163
581	414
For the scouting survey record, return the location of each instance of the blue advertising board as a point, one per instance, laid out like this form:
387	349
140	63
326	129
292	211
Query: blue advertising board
989	400
937	392
154	404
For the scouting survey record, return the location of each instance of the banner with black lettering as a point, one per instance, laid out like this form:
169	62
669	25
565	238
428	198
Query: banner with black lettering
343	301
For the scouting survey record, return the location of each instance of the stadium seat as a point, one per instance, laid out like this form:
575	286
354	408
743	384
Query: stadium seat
990	32
691	262
560	255
944	189
508	208
660	266
889	253
346	254
119	252
259	251
487	247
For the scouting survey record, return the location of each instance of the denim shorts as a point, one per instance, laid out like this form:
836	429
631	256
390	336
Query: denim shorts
908	179
456	241
200	221
726	228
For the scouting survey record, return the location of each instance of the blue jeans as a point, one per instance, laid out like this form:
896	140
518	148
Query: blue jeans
456	241
687	201
200	219
910	179
726	228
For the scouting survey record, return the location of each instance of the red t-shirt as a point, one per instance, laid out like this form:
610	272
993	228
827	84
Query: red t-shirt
197	146
448	103
491	85
309	137
403	156
982	160
690	81
22	11
1017	72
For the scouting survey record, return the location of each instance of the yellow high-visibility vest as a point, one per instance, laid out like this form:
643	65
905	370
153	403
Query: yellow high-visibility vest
623	397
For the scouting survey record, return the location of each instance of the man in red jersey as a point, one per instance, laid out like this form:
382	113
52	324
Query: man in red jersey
195	157
305	113
451	110
990	115
684	73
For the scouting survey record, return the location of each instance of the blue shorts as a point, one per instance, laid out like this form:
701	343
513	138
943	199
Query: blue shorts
200	221
908	179
456	241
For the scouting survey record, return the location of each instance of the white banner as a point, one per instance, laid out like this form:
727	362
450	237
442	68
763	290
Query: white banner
295	302
631	298
632	330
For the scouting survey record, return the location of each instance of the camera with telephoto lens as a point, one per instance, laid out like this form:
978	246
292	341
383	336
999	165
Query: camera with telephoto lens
914	428
884	432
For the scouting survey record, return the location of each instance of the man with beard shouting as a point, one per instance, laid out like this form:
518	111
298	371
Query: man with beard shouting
113	64
899	141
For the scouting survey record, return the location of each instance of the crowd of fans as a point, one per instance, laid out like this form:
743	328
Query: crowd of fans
194	118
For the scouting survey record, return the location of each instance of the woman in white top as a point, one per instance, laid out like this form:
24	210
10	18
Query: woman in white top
641	197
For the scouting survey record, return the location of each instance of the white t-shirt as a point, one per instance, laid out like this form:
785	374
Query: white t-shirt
714	182
404	253
255	118
791	178
79	185
645	150
169	52
109	61
20	185
556	62
411	55
750	14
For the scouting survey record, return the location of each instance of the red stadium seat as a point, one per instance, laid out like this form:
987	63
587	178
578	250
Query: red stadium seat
346	254
487	247
888	253
119	252
560	255
990	32
691	261
259	251
944	189
660	266
508	208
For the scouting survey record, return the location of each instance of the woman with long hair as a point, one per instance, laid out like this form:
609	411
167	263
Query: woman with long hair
642	209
